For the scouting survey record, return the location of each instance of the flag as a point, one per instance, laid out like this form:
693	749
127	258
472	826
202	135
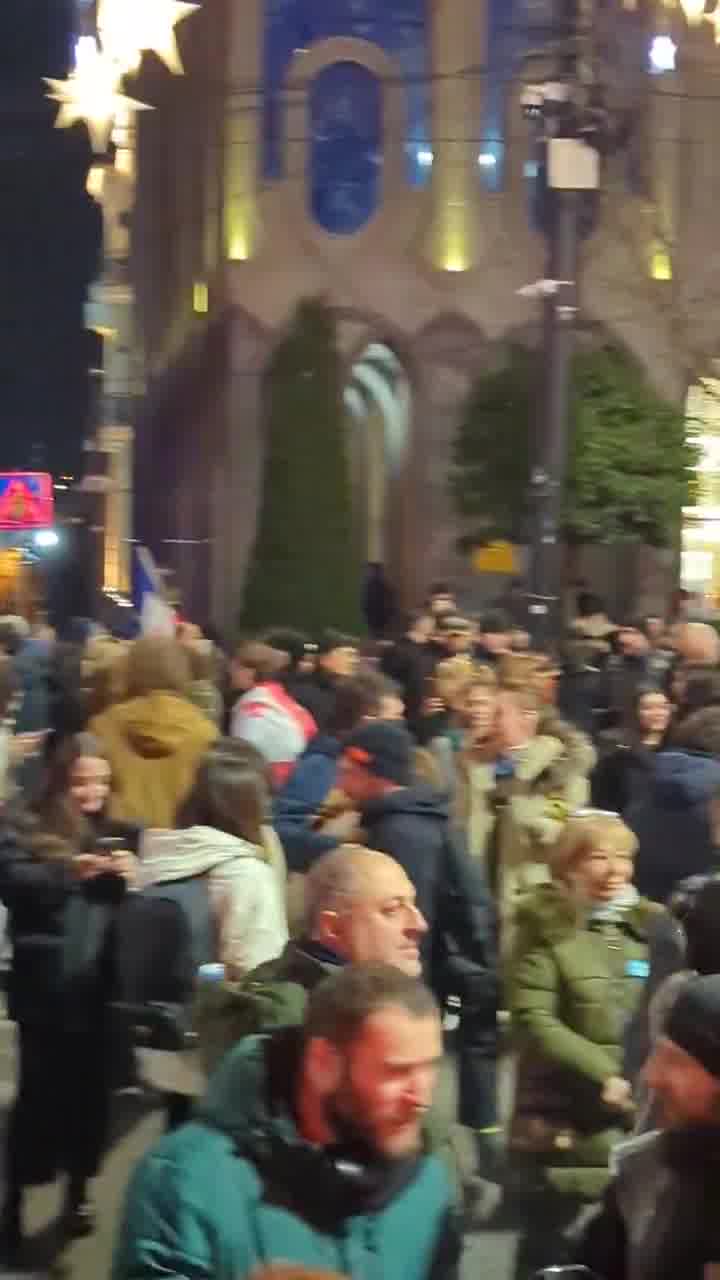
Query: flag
156	615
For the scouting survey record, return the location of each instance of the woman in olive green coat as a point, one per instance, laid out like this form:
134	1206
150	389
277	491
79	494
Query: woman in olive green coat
580	963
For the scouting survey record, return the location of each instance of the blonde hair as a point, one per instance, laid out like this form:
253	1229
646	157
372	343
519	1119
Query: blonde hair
455	677
586	832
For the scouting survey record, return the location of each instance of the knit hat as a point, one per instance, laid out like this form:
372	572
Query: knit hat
694	1022
384	749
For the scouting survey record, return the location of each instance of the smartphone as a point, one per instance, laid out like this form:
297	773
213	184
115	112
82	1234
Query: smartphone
110	845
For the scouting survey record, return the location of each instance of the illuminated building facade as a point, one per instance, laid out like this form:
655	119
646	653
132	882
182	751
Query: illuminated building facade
377	157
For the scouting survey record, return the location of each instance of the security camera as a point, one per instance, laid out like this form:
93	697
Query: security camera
532	100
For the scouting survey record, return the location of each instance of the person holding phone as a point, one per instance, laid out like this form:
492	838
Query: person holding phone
64	869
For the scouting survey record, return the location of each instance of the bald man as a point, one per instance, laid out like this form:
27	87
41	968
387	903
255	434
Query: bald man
359	909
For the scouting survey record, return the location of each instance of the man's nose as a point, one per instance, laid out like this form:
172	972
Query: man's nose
418	923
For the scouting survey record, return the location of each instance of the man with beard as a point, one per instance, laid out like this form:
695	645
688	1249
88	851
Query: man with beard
660	1217
307	1149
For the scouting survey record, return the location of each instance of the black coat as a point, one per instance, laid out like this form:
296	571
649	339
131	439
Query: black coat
318	695
622	773
671	819
60	930
411	665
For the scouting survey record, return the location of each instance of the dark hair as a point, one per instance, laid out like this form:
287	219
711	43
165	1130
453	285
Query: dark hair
295	644
11	639
332	639
340	1006
440	589
589	604
357	697
49	827
230	792
265	662
494	622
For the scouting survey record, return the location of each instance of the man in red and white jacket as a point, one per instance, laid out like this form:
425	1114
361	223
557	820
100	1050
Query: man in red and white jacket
265	715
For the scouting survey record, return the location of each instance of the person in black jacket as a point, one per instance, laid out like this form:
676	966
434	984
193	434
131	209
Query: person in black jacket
411	661
61	889
410	822
337	660
627	755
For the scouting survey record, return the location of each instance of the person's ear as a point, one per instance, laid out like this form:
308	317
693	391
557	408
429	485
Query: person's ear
323	1065
328	928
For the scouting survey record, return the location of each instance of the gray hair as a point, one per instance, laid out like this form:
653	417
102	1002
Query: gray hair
334	880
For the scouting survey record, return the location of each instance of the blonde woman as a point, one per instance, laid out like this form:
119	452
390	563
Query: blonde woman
580	965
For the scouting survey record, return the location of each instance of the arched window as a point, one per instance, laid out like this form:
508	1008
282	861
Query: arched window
399	27
346	146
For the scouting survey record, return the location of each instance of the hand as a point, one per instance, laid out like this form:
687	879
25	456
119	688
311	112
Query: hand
342	826
125	864
87	866
26	745
617	1093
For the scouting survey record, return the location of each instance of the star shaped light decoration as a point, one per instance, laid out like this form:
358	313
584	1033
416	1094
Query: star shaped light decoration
129	28
91	94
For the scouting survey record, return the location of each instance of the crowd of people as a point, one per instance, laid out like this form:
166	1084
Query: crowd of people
330	901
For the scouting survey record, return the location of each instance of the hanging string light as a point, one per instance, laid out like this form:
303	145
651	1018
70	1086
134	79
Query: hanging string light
129	28
90	93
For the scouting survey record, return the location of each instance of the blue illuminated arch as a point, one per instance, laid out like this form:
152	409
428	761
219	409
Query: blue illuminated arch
346	145
399	27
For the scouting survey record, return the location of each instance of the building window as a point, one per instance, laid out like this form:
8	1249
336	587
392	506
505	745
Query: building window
398	27
346	147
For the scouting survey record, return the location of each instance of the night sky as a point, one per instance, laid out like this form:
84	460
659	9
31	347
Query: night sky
48	245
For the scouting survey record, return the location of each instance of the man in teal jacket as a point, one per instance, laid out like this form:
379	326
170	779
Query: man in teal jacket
307	1150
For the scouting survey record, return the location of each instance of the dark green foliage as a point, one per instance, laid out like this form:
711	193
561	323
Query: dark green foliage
629	466
305	570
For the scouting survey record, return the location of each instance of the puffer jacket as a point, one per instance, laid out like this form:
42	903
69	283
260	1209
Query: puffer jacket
240	1189
154	744
575	982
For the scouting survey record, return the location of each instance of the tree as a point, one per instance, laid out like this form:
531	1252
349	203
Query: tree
629	469
305	570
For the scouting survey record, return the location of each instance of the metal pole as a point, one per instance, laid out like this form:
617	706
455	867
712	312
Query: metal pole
548	476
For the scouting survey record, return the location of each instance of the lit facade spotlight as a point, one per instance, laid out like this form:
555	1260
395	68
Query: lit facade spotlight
663	54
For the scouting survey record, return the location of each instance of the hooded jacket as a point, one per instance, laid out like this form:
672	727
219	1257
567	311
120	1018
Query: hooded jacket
246	892
459	950
672	822
240	1189
298	803
154	744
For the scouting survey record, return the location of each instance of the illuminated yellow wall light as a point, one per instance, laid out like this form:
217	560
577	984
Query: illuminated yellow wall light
238	238
201	298
661	264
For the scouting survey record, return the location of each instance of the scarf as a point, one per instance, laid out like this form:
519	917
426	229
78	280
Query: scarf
613	912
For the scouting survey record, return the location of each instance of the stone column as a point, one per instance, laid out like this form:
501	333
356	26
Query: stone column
243	128
459	36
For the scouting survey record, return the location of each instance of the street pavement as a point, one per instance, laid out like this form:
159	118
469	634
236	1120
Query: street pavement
489	1255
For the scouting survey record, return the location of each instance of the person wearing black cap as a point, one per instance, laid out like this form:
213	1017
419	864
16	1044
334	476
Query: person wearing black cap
409	821
660	1219
337	660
